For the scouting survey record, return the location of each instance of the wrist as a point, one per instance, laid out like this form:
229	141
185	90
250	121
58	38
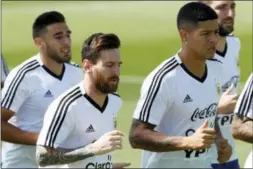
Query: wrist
186	143
92	149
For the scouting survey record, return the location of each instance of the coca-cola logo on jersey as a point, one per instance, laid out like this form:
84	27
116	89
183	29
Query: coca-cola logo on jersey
205	113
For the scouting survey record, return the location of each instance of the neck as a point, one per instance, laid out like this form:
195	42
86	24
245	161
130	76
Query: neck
92	92
193	62
221	44
51	64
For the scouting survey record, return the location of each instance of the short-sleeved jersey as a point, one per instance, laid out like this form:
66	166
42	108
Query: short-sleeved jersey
178	103
4	70
231	76
75	120
29	89
244	106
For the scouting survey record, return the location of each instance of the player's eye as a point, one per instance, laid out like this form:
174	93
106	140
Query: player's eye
109	65
233	7
205	34
58	37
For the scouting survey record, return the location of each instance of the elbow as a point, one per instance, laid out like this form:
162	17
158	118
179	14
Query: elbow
235	131
40	161
133	143
133	140
41	157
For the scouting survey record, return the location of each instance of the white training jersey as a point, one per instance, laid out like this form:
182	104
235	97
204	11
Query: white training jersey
28	90
244	105
178	103
231	73
4	69
75	120
244	108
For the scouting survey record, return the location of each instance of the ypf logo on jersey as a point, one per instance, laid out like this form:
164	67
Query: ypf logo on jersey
98	165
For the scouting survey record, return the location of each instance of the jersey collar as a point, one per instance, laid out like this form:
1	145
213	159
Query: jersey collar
91	101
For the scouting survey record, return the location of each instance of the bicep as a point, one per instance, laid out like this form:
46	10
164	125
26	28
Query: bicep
6	114
244	104
57	126
14	93
155	99
138	127
239	122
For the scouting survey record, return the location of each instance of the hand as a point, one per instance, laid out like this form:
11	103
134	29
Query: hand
108	142
202	138
120	165
227	102
224	150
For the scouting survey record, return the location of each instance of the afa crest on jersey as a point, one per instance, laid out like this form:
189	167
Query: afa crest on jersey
218	86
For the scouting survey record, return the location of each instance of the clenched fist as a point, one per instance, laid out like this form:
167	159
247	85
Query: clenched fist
224	150
108	142
202	138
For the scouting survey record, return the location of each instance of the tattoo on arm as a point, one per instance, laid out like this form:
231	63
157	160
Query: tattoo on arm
217	128
143	136
49	156
243	128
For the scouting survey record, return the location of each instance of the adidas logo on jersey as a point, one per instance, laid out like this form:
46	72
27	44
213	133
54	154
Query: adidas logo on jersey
90	129
48	94
187	99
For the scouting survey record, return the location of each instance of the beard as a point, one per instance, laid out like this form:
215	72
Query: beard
225	31
103	85
55	57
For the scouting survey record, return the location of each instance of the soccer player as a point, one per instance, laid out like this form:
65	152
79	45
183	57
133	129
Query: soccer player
175	116
4	70
79	126
243	120
228	49
32	86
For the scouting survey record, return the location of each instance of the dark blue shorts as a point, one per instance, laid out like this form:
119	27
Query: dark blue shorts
229	165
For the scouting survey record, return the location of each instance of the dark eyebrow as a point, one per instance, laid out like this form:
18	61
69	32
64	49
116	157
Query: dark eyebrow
221	5
113	62
60	33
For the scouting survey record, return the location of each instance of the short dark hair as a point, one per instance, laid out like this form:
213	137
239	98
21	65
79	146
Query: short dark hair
98	42
205	1
45	19
194	12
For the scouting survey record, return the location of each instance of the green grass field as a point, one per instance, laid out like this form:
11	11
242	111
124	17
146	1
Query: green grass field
148	34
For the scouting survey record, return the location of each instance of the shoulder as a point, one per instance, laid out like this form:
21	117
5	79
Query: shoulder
73	64
69	96
20	71
73	67
214	61
115	94
214	64
74	71
234	41
115	97
163	72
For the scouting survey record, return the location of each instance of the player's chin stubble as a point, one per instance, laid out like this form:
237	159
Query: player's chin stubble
105	86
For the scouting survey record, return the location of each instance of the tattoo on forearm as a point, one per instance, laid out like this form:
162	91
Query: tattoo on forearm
152	140
217	128
49	156
243	129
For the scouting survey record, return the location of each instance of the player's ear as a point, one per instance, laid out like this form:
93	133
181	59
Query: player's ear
87	65
39	42
183	34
